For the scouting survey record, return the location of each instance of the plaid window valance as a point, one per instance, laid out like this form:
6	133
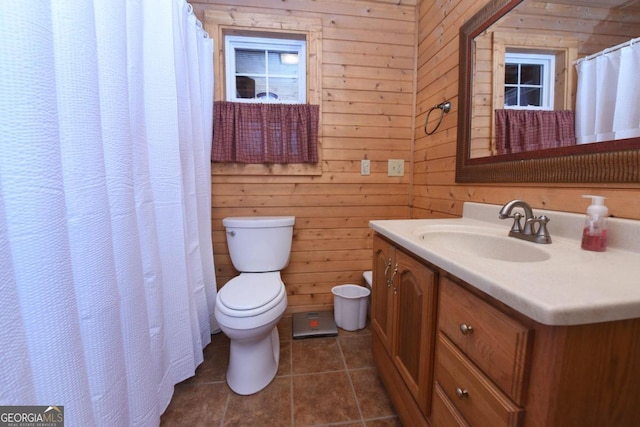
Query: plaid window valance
265	133
527	130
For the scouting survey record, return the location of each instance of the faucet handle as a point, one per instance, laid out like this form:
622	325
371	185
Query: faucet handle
542	235
516	227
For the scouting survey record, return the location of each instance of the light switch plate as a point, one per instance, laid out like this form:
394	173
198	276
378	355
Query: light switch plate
365	167
395	167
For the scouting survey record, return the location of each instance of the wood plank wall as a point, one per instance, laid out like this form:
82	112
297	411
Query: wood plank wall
368	104
368	68
435	193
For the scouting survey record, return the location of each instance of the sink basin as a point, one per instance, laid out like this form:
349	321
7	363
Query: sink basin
480	242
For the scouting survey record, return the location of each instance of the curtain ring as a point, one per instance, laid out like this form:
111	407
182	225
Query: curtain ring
445	107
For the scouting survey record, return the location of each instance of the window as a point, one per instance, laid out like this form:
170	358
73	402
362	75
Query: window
528	81
268	70
265	70
223	24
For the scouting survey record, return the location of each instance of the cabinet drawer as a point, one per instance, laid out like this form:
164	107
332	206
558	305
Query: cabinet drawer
443	412
474	396
498	344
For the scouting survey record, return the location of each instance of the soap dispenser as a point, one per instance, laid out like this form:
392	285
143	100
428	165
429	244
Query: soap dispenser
594	234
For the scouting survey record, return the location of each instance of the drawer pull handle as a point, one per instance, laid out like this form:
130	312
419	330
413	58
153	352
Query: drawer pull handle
461	393
466	329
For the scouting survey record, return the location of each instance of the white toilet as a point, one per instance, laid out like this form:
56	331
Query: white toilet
249	306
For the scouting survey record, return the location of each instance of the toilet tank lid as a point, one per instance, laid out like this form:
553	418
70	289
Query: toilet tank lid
258	221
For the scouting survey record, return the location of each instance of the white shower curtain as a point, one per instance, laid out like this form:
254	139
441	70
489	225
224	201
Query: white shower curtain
107	282
607	95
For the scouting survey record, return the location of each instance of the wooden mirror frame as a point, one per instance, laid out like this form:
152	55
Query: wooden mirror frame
604	162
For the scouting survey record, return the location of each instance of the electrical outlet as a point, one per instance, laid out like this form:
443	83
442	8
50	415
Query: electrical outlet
365	167
395	167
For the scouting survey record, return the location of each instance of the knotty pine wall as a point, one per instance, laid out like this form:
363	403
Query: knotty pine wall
368	69
367	108
434	193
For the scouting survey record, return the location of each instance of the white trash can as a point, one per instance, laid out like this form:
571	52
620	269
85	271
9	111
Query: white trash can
350	306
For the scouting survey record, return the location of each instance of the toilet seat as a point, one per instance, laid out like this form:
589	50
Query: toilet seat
251	294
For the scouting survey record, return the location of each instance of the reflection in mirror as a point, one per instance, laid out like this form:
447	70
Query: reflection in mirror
524	76
521	97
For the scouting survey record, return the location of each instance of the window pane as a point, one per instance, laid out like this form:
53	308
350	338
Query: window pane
530	96
266	95
266	70
531	74
510	96
250	62
245	87
281	63
261	86
285	88
511	74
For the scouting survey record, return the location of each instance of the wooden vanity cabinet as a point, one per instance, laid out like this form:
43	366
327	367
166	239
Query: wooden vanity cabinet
527	374
403	322
480	363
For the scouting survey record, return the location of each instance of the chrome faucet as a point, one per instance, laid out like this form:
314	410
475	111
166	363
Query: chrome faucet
535	228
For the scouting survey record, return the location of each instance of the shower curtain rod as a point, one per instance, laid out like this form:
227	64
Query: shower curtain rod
608	50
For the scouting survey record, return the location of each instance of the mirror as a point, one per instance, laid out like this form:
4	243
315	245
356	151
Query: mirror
506	22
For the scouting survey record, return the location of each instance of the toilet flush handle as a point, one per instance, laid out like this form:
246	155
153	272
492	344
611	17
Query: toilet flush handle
231	233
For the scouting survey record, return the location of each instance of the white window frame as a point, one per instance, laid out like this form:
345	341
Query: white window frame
265	44
547	61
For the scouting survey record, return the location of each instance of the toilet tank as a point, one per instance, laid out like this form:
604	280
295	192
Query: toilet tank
259	244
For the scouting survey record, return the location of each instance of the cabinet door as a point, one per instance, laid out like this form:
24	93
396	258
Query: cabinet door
381	298
413	347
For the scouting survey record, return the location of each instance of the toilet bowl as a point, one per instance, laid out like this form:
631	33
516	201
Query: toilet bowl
249	306
248	309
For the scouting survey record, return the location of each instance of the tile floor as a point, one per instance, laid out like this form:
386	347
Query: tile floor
320	382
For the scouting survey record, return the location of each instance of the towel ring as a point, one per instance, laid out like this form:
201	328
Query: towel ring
445	107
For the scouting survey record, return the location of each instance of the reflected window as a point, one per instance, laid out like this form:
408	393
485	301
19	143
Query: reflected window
266	70
528	81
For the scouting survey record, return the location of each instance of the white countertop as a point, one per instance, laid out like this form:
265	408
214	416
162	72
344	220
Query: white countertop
572	287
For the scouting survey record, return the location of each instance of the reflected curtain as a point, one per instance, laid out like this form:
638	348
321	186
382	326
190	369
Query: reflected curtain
265	133
607	95
527	130
106	261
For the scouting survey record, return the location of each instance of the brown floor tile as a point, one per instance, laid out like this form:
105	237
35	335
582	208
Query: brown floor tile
284	367
359	332
284	328
316	355
357	351
219	339
323	398
312	387
196	405
214	366
268	407
384	422
372	397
